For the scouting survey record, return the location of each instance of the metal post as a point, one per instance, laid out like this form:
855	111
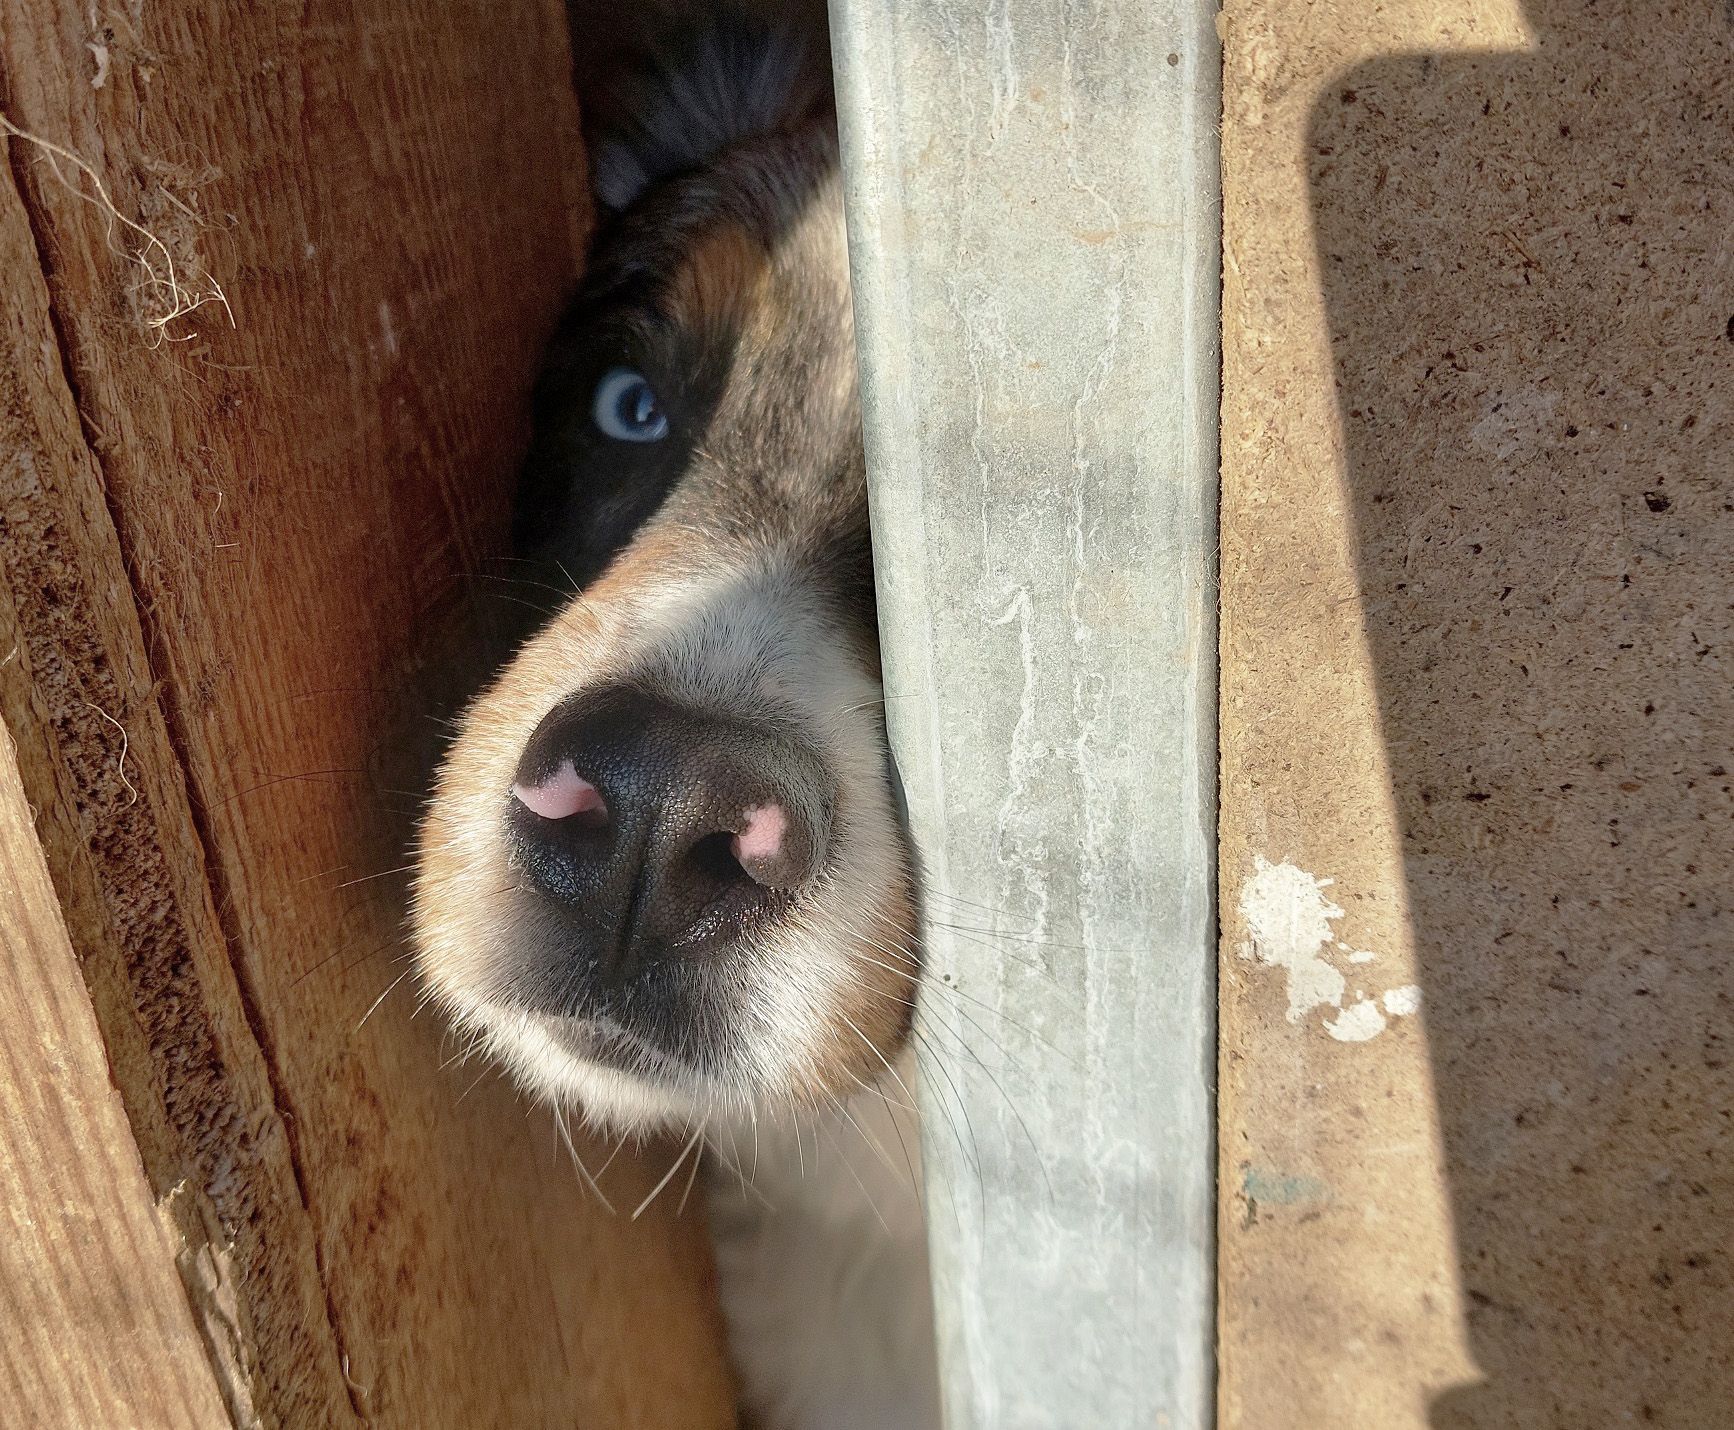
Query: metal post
1034	228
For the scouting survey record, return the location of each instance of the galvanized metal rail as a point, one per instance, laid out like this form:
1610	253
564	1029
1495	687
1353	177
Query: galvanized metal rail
1034	226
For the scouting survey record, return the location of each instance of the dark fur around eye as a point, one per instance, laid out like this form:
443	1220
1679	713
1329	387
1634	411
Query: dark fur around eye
582	495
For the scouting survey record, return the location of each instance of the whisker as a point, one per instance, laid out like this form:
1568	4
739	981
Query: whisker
368	878
577	1161
733	1164
981	939
936	1061
374	1008
480	1077
1005	1097
906	1092
338	953
290	779
520	601
602	1171
1038	942
994	911
844	1158
929	983
522	581
872	1142
691	1177
908	1161
668	1176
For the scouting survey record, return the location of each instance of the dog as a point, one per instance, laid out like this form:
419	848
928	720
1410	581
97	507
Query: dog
663	878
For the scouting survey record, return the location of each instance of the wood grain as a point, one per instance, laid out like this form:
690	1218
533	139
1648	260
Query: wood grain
235	563
99	1331
130	873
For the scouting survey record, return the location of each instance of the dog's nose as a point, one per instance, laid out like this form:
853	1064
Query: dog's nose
656	832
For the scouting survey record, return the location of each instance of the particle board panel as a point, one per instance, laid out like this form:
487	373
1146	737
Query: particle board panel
1477	530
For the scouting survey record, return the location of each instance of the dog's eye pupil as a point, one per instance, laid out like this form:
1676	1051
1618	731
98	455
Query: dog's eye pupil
626	407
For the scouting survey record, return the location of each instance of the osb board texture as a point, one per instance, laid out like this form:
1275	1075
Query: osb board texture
1477	536
99	1329
232	555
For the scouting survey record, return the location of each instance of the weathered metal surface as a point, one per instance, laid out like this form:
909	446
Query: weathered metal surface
1034	224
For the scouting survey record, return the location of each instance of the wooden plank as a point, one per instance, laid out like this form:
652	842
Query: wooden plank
130	874
1033	228
228	549
99	1331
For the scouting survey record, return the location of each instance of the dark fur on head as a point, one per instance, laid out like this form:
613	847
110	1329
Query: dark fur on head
695	92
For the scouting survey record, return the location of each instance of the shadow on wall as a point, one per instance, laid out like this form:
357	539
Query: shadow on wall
1534	255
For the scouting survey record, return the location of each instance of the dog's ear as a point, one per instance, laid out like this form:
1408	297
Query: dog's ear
694	90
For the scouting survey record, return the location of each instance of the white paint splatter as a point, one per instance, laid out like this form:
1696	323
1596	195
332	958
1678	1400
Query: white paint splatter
1289	922
1356	1023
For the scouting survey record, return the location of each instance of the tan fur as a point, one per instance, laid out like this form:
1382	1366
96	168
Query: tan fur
727	587
466	890
725	281
742	594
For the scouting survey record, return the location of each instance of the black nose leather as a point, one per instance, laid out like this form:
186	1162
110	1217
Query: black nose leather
655	832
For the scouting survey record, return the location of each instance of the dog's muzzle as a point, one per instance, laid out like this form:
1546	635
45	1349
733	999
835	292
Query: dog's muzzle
649	832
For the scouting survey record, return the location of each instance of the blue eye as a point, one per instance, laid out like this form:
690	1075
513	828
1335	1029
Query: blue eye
626	408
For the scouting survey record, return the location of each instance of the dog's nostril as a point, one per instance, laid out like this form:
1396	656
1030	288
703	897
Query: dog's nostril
760	847
565	794
657	831
713	862
713	856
